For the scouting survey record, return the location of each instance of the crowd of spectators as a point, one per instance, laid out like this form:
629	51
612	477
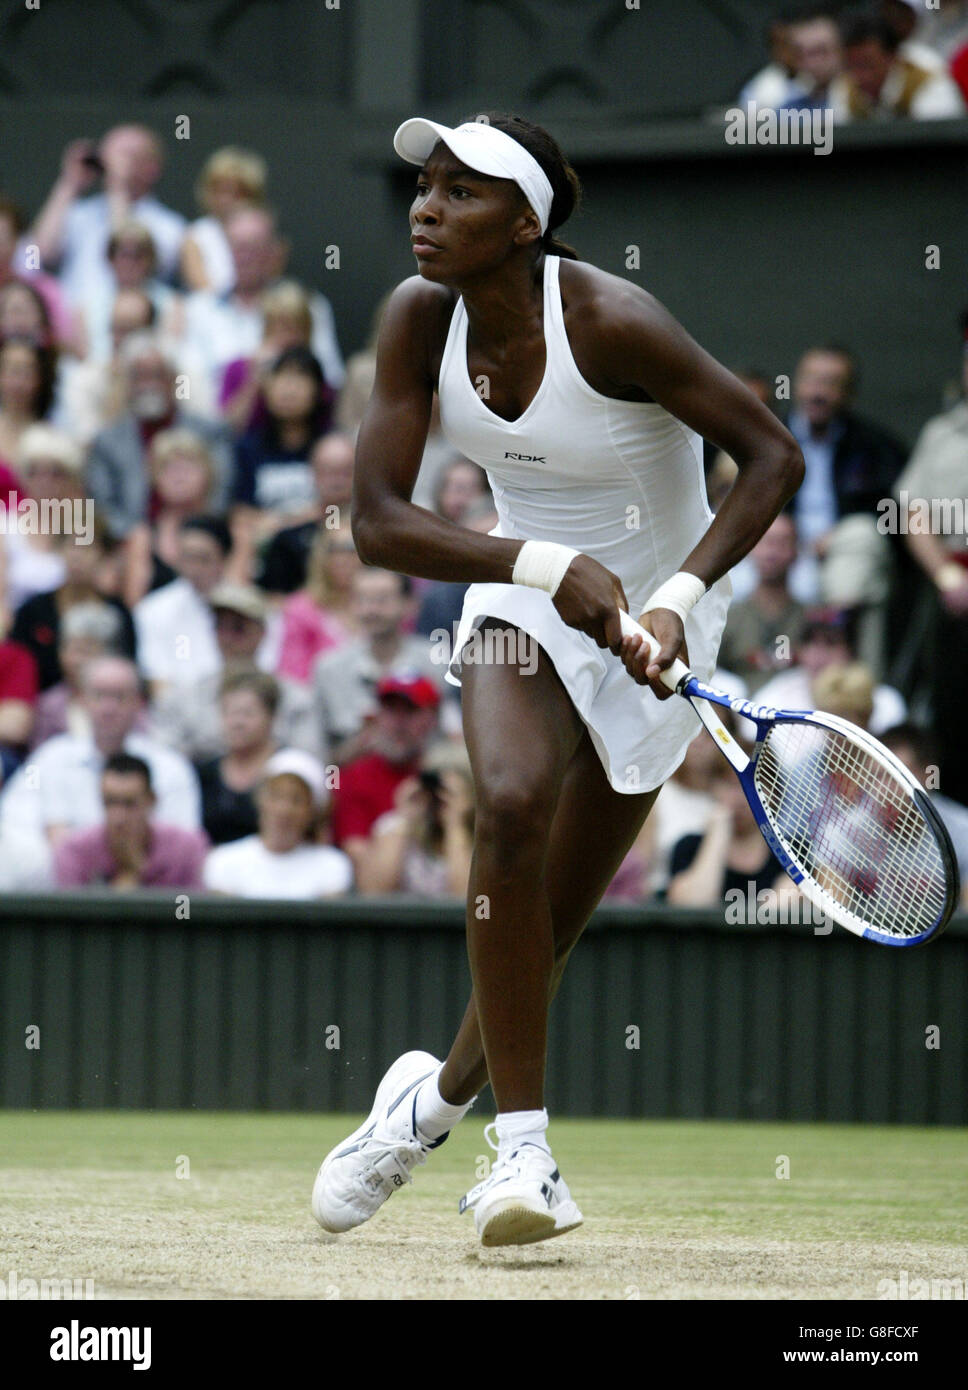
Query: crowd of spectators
895	59
202	688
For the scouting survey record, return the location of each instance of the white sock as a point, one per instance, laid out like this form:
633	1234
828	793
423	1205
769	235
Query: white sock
522	1127
434	1115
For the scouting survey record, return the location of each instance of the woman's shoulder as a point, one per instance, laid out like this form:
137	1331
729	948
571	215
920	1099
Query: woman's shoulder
593	291
419	310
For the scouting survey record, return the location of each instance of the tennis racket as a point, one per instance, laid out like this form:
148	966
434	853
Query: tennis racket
842	815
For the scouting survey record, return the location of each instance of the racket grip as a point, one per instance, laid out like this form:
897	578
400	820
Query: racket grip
676	671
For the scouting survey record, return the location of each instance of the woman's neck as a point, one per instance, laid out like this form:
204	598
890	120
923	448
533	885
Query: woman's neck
507	304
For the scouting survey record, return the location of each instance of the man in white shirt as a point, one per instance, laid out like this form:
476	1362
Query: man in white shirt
219	328
175	626
58	789
73	232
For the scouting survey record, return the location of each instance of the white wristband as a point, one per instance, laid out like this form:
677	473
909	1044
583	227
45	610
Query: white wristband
542	565
680	593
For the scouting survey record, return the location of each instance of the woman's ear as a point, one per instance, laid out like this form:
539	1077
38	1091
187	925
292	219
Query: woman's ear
528	230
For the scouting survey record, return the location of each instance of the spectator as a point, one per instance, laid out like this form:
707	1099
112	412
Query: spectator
181	474
86	631
846	691
273	476
133	265
826	642
880	83
777	83
902	16
58	789
918	750
32	552
286	558
820	58
188	717
24	314
117	471
18	702
460	484
72	231
852	465
248	706
223	327
345	681
937	473
405	722
762	630
319	618
130	849
730	854
175	625
12	271
38	621
26	394
231	178
92	394
423	846
284	859
287	322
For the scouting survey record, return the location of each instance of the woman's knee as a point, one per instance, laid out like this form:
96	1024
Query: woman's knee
513	810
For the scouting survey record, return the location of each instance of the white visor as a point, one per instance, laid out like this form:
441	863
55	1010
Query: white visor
480	147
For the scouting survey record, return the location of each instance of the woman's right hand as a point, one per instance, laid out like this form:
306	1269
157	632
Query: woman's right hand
588	598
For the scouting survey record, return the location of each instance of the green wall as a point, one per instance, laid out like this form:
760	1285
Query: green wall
235	1009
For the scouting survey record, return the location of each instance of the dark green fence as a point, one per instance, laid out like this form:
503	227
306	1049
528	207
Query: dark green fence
291	1007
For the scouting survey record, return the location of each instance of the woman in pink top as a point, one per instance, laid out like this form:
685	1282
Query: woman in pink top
318	618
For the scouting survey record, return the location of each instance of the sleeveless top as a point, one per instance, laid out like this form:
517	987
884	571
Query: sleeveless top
621	481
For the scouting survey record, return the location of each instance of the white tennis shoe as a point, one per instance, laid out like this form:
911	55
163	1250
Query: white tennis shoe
524	1199
376	1160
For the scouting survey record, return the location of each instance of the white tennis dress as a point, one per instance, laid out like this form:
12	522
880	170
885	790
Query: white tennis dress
620	481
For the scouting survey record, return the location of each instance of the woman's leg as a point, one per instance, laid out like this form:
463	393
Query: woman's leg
519	952
521	732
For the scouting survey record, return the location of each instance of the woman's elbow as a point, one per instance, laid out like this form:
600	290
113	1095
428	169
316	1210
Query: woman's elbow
791	468
367	538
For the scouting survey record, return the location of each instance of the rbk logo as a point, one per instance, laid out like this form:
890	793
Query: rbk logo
526	458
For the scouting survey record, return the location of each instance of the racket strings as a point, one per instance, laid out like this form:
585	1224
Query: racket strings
852	826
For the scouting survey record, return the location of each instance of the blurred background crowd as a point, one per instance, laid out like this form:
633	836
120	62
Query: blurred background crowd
203	688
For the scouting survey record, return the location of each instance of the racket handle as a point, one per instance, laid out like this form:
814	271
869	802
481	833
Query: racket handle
676	671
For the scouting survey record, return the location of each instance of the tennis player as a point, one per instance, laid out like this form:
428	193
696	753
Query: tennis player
586	402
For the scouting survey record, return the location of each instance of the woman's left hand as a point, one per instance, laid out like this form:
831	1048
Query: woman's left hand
666	627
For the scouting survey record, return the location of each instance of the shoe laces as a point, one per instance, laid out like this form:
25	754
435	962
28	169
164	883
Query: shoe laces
507	1153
